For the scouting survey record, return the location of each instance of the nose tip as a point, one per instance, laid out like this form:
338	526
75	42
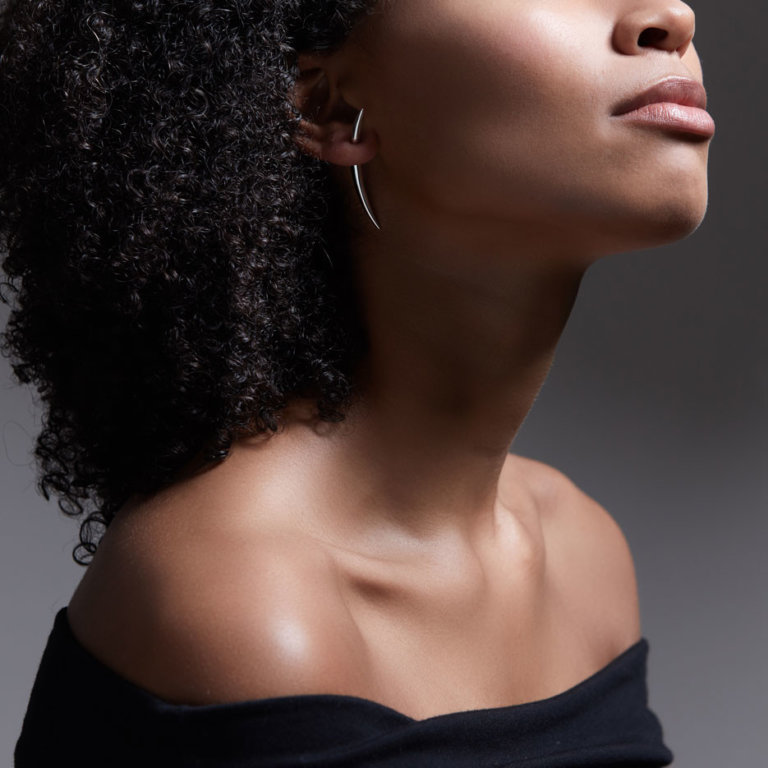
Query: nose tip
663	25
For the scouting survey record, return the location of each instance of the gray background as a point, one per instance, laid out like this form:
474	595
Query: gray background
657	406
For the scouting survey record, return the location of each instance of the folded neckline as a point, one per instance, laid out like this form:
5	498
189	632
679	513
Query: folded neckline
640	647
524	707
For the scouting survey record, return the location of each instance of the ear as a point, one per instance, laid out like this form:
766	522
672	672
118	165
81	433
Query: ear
328	121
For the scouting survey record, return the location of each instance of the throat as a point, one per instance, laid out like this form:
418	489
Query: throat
449	633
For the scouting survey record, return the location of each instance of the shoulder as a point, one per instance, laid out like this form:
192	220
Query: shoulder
589	561
231	618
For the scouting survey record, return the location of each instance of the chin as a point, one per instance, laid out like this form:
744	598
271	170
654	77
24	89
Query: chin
675	208
666	220
675	219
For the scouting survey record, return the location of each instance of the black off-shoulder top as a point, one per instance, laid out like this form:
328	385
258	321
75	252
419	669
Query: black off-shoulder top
81	713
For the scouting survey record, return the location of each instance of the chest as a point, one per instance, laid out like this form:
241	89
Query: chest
456	635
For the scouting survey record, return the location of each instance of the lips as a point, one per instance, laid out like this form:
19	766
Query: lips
676	106
672	90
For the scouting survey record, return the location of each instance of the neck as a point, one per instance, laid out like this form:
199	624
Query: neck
463	331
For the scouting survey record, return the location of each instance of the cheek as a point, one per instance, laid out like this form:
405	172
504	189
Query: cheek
508	117
486	107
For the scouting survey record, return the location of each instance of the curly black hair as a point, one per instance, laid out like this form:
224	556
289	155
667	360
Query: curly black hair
177	267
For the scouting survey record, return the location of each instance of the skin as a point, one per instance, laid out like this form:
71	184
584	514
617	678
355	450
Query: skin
404	555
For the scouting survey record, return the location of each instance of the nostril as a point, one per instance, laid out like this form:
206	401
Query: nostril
651	36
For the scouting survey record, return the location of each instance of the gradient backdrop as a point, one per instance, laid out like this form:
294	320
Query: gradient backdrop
657	406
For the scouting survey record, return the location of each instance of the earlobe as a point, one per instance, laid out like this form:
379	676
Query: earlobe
333	142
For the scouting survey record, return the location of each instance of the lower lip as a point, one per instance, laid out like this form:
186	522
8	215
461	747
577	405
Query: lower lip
674	117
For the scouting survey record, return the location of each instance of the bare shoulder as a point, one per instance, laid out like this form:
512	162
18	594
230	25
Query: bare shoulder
588	557
230	618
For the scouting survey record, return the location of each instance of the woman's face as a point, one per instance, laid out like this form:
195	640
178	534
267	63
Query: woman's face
505	109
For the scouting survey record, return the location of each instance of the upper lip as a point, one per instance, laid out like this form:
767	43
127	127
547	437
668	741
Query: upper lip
678	90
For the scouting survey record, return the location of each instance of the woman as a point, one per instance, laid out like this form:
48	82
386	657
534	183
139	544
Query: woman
288	391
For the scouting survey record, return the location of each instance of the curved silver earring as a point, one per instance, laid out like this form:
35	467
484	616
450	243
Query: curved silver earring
357	175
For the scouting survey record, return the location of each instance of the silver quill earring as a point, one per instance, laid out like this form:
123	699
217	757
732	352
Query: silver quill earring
358	177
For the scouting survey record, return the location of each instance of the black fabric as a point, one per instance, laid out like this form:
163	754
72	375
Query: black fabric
82	713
